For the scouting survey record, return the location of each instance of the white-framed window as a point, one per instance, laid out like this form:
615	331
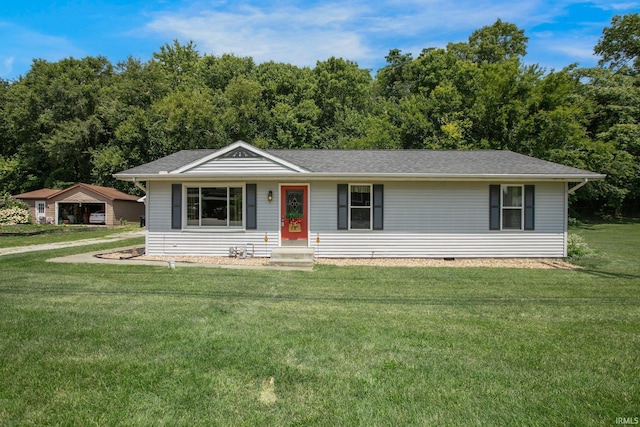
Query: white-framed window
512	207
215	206
360	206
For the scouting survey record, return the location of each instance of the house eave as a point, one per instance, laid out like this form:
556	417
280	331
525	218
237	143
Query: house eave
335	177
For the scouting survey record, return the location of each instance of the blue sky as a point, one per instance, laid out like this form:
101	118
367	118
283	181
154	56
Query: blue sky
561	32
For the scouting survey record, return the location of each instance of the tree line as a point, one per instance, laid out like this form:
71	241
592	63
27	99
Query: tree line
84	119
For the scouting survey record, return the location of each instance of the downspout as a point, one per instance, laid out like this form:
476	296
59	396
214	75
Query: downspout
140	186
573	189
146	207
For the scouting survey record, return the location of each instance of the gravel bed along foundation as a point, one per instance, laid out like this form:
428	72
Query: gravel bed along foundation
137	253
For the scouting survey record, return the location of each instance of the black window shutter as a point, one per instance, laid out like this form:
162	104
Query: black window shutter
343	206
176	206
252	217
529	207
494	207
378	207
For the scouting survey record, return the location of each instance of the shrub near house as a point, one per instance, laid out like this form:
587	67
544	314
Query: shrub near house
12	211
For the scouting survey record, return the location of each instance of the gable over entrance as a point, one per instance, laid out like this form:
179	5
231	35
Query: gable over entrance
239	156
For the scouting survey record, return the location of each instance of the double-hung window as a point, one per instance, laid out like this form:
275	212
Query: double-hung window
360	207
511	207
219	207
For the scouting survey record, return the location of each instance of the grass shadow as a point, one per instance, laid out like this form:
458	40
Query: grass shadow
609	274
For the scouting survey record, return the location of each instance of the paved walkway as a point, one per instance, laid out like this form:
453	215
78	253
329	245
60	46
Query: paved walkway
48	246
92	258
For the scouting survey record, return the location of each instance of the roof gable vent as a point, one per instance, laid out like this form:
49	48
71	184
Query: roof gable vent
239	153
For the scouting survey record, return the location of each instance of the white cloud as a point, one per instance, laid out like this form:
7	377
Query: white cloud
628	6
293	35
574	49
464	16
557	51
6	67
358	30
303	32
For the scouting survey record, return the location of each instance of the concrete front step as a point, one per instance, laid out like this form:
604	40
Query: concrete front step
292	256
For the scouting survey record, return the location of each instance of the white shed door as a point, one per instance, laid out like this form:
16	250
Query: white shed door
41	215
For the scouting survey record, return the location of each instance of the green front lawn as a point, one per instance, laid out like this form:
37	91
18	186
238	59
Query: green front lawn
139	345
31	234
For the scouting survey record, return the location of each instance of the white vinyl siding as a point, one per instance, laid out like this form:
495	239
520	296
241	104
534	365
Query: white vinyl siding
436	207
439	207
551	208
439	245
161	240
413	207
207	243
158	206
421	219
233	165
440	219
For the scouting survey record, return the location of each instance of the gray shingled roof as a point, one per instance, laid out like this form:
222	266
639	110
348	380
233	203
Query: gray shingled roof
390	162
168	163
422	162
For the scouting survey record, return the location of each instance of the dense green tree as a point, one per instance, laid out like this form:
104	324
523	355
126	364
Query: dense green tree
381	129
393	80
187	118
342	93
619	46
7	139
290	112
54	114
125	113
244	115
501	41
179	63
613	125
84	119
217	72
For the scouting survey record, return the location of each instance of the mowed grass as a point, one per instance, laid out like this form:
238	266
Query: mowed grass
138	345
55	234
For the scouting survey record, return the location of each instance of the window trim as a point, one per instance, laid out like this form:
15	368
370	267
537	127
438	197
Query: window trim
496	207
370	207
200	186
503	207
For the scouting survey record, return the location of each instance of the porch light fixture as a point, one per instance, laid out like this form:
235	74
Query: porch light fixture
270	196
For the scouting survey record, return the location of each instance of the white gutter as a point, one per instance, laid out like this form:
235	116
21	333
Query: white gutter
339	177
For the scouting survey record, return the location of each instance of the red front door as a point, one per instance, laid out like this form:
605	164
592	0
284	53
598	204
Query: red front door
294	211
